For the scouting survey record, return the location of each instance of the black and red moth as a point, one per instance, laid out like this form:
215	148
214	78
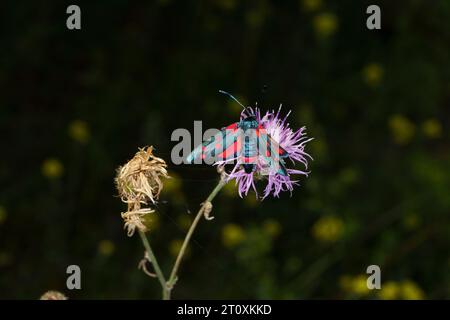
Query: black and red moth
246	142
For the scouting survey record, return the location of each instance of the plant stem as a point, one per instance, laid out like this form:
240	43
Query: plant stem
154	262
200	213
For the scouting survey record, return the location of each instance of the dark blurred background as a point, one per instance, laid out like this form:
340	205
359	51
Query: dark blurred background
74	105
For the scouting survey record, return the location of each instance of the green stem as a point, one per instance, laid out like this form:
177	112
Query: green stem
200	213
154	262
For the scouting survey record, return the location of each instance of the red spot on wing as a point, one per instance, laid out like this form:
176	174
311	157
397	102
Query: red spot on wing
231	151
281	151
233	126
249	159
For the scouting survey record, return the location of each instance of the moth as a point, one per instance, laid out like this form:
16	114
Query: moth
246	142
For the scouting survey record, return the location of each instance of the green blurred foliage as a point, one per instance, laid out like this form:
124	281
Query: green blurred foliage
74	105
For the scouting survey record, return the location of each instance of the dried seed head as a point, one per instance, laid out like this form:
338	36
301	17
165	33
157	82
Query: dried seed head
139	182
53	295
139	179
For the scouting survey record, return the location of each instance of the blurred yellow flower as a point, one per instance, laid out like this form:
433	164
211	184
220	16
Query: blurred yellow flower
230	189
349	175
226	4
407	290
3	214
52	168
151	221
255	18
325	24
389	291
373	74
402	129
173	184
79	131
411	291
359	285
355	285
175	247
251	201
432	128
328	229
106	247
232	235
311	5
173	188
184	221
272	227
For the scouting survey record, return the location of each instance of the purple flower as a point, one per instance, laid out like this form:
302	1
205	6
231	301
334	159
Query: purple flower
291	141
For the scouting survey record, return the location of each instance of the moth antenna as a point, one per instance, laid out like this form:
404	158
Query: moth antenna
231	96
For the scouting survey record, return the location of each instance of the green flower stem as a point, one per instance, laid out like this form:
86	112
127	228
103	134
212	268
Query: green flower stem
201	212
154	262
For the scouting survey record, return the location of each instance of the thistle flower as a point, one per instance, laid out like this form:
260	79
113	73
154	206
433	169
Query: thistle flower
291	141
139	182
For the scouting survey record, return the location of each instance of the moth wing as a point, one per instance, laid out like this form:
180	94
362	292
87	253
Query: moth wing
222	146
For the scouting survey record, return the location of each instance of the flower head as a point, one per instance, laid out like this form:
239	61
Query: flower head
293	142
53	295
139	182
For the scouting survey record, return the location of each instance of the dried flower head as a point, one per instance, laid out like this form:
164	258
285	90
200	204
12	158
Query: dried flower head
53	295
139	179
139	183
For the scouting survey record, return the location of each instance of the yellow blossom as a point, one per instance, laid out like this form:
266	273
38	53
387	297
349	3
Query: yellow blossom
432	128
373	74
255	18
325	24
389	291
175	247
328	229
52	168
355	285
232	235
230	189
402	129
79	131
359	285
251	201
226	4
272	227
184	221
106	247
173	184
151	221
311	5
411	291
